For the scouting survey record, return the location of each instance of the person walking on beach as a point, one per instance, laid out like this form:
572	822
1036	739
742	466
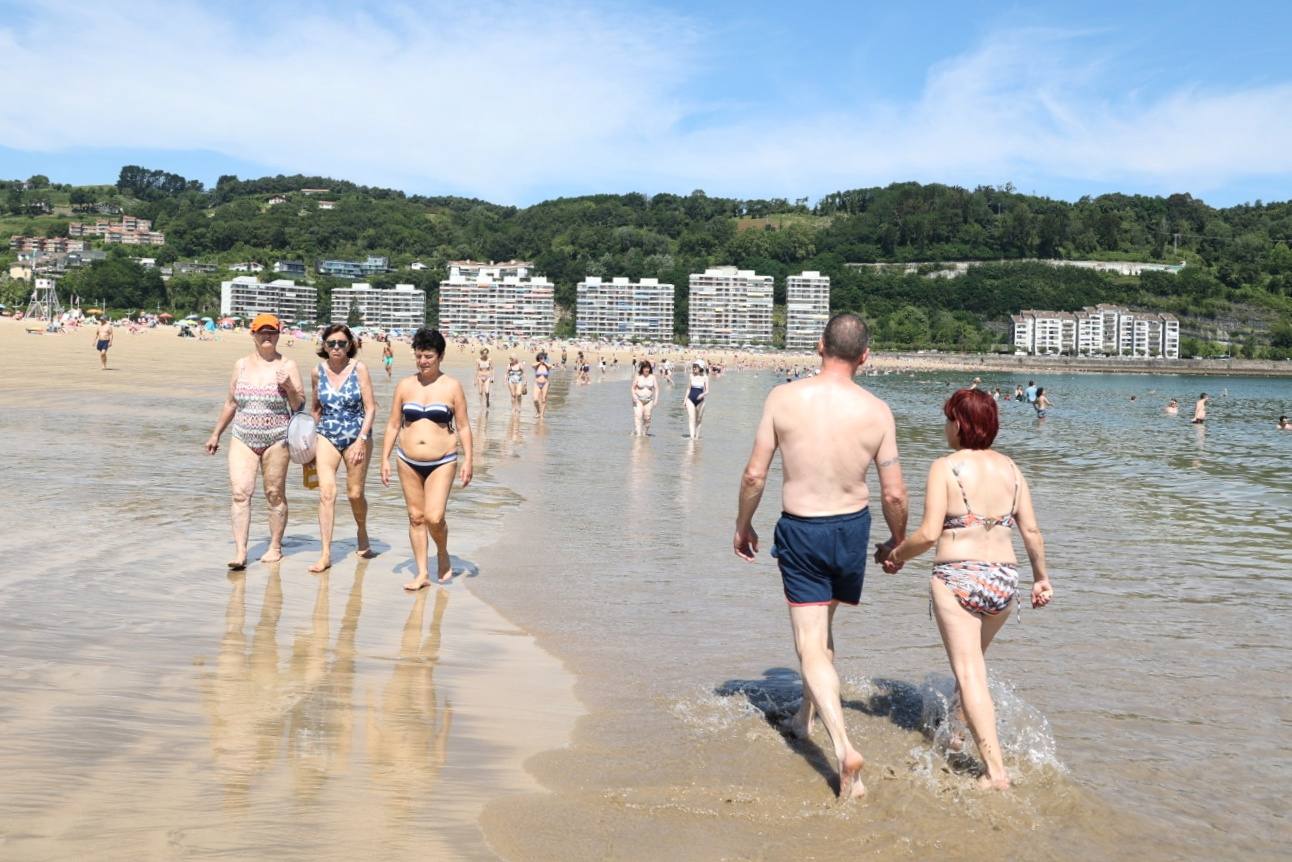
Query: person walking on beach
264	392
387	358
103	341
515	381
428	419
696	393
828	430
542	374
1200	410
975	572
484	377
344	410
644	397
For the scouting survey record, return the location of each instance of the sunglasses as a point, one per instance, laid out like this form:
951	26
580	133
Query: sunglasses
264	330
336	344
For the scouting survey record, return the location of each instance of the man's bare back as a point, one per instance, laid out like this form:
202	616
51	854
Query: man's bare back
828	430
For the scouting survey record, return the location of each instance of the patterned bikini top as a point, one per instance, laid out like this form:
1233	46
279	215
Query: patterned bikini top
970	518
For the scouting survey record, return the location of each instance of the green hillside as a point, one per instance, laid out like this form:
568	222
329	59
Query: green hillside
1238	282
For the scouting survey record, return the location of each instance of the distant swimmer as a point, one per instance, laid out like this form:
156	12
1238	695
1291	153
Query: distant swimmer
1173	407
828	430
387	358
1284	425
645	395
1018	392
696	394
975	572
1041	403
484	377
103	341
542	375
263	393
977	381
344	410
1200	409
428	419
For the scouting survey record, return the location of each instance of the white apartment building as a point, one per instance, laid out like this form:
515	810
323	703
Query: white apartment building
625	309
730	306
246	296
401	307
1106	330
491	302
807	309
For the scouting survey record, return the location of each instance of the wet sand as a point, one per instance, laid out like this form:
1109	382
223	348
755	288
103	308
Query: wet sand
155	706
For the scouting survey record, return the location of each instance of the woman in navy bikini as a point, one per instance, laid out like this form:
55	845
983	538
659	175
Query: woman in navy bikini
344	410
975	572
428	419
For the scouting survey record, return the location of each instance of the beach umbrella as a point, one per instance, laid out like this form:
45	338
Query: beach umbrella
165	316
205	319
228	321
94	311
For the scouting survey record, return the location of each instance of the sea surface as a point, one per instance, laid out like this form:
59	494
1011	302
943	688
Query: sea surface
1147	712
153	706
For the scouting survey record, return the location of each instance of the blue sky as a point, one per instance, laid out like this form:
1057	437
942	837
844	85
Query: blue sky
516	102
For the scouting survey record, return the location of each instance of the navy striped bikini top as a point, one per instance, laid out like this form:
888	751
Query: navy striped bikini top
437	412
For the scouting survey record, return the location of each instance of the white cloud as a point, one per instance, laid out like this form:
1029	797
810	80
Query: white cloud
502	99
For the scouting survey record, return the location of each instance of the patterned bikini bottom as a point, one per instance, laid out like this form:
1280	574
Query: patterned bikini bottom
980	587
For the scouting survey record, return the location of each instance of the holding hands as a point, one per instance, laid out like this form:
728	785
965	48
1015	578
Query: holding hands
1042	593
884	556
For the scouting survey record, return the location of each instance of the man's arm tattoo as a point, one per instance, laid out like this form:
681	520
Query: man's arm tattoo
888	463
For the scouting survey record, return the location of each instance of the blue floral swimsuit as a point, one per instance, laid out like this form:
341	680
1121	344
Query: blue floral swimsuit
342	409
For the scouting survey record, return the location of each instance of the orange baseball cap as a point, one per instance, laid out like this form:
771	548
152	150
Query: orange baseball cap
265	320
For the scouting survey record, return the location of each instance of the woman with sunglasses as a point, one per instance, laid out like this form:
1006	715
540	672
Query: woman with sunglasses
263	393
344	409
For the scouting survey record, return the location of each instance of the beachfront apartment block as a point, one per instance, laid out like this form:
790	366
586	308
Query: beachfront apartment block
354	268
491	303
807	309
1101	330
46	245
246	296
623	309
730	307
400	307
131	230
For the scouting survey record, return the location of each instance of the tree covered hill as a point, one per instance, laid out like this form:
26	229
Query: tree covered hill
1238	281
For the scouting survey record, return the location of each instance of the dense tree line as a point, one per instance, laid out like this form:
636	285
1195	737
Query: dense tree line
1239	262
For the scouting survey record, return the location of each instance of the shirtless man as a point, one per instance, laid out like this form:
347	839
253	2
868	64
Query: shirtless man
1200	410
102	341
828	429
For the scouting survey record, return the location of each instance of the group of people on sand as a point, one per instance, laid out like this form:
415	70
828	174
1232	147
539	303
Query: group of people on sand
427	421
645	394
829	431
516	384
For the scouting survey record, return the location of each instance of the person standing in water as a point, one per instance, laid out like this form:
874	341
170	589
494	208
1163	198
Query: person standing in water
263	393
103	341
344	411
696	394
644	396
1284	425
828	430
975	572
387	358
1200	410
1173	407
428	419
484	377
1041	403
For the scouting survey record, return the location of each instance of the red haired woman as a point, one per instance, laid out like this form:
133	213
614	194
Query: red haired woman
975	495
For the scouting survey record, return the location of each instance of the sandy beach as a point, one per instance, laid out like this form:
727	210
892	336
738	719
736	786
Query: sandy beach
604	680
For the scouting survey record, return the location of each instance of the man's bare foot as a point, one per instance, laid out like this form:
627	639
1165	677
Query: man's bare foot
801	724
850	786
421	582
445	567
365	551
237	564
324	563
986	782
273	555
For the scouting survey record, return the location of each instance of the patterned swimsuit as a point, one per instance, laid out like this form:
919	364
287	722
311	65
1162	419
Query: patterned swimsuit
343	414
981	587
262	415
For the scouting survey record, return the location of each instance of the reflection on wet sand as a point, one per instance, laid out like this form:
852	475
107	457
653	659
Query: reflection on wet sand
409	729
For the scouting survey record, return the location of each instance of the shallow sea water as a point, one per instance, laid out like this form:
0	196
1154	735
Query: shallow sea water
1146	713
